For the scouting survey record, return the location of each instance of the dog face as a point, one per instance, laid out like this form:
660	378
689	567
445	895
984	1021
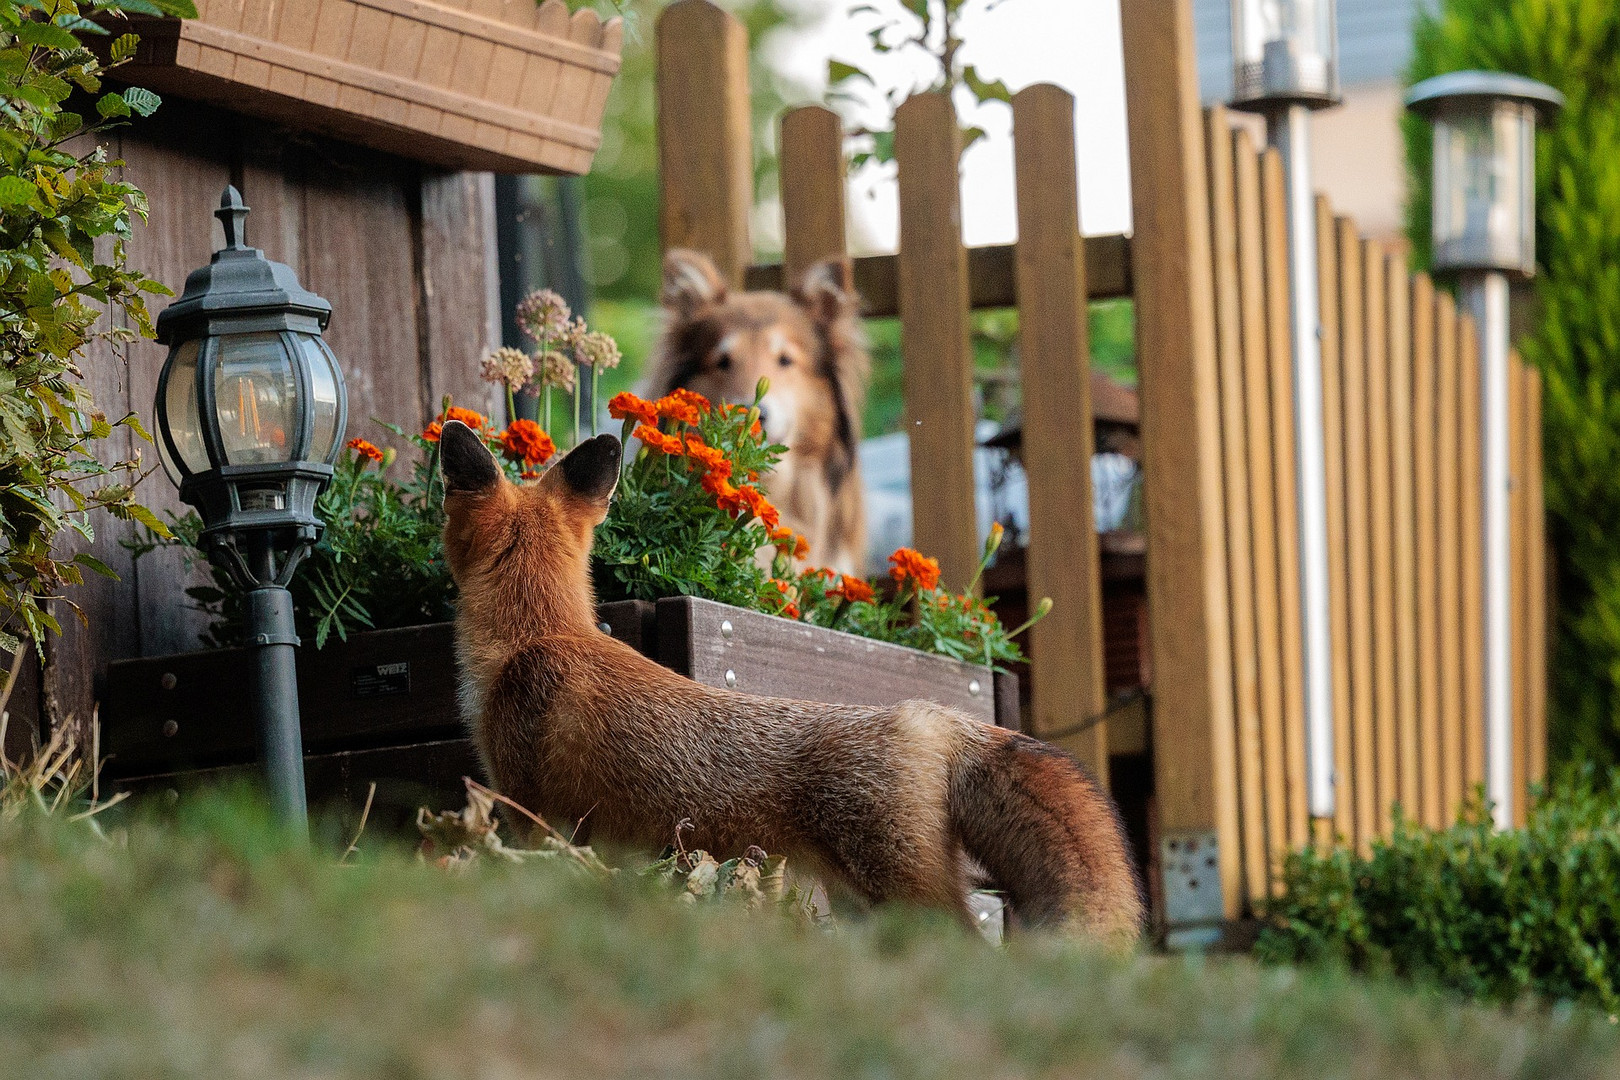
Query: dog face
806	343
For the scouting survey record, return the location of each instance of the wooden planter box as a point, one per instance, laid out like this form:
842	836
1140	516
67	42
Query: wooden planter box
501	85
382	707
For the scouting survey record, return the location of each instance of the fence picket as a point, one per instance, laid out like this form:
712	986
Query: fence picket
934	343
1334	389
1448	540
1403	512
1471	488
1520	589
1539	582
1381	521
812	177
1426	520
1066	647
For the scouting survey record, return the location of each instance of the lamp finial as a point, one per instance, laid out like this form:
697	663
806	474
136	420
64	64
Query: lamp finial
232	214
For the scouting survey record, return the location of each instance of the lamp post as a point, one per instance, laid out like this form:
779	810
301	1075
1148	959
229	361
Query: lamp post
251	411
1285	64
1484	231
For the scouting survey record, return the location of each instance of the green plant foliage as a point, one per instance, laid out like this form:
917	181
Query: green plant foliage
1495	915
64	223
1573	45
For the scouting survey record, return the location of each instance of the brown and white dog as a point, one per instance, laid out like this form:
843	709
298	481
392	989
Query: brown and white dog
809	344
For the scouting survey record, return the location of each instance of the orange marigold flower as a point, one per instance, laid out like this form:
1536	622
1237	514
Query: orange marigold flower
692	398
909	564
524	441
651	436
530	474
677	409
365	449
854	589
721	488
791	611
627	406
471	417
431	434
758	506
711	458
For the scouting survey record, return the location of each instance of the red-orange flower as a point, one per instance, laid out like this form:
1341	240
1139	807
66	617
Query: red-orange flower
664	444
677	409
365	449
789	542
530	474
712	458
692	398
627	406
854	589
524	441
755	503
791	611
722	489
472	418
433	431
909	564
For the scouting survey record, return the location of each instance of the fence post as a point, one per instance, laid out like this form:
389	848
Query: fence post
1195	770
705	141
812	177
1066	647
934	344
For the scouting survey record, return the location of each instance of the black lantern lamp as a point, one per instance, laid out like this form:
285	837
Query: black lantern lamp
251	412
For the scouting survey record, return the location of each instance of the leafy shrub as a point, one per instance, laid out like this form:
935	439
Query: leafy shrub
1492	914
1572	45
64	224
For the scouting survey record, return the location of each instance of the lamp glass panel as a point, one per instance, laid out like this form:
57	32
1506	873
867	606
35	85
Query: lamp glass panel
183	416
1283	47
256	398
326	397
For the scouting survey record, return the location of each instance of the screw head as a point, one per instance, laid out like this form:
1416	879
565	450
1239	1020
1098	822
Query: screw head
726	629
974	687
731	677
171	728
168	682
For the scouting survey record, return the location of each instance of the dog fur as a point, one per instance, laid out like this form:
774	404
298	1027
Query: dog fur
890	803
809	344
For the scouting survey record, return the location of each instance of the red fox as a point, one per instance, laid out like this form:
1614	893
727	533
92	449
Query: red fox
889	803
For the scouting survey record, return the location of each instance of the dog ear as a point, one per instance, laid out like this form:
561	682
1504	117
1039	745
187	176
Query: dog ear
469	467
827	292
591	469
691	282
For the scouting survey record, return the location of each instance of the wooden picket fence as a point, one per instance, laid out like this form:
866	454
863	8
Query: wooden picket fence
1207	268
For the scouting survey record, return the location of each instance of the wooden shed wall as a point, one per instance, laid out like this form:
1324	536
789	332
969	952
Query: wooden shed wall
406	255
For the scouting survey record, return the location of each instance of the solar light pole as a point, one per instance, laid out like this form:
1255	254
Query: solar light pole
1484	231
251	410
1284	65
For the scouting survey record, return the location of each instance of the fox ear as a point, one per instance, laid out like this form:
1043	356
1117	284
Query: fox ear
469	467
691	281
591	469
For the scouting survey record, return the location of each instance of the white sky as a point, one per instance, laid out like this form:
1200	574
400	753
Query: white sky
1073	43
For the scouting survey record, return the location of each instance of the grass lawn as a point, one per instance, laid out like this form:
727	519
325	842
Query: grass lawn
203	946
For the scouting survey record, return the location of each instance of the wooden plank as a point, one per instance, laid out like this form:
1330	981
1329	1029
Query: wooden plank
1425	521
1381	521
460	289
1540	580
934	335
1334	389
1241	547
1194	766
1520	588
1471	487
783	658
1352	360
1066	647
22	708
705	144
812	179
1279	359
992	277
1403	510
1448	540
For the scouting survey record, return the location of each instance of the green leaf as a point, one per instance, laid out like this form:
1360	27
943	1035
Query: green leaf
111	105
15	191
46	35
147	518
838	71
142	100
985	89
124	47
95	564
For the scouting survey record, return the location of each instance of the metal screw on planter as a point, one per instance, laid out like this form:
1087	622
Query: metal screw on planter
1285	63
251	411
1484	230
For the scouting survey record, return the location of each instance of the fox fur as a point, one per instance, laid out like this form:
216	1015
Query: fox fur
890	803
809	344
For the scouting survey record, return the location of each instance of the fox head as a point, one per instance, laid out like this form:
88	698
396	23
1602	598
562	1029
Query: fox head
807	342
528	544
